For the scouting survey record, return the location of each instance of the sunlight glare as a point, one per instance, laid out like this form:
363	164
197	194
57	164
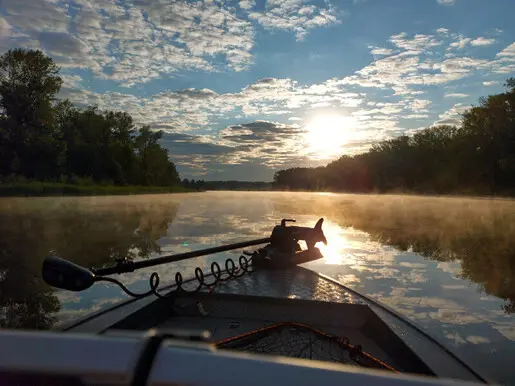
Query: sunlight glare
335	252
326	134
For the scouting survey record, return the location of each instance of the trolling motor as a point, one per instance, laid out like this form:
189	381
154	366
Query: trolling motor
283	250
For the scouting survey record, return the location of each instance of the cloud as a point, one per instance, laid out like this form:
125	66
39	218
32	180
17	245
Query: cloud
508	52
381	51
419	105
61	43
5	33
460	43
456	95
140	40
416	44
295	15
446	2
272	142
452	117
247	4
71	81
505	61
136	41
269	144
5	28
191	109
36	15
481	41
490	83
421	63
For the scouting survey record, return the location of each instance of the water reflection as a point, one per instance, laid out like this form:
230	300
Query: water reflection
479	234
89	231
446	263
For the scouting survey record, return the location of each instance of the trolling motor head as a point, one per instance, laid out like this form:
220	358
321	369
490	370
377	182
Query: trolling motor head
286	238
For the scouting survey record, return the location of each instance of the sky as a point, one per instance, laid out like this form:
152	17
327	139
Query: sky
243	88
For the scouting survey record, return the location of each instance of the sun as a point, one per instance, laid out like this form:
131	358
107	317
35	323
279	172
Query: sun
326	134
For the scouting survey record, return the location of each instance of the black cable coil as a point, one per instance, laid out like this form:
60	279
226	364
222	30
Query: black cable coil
231	272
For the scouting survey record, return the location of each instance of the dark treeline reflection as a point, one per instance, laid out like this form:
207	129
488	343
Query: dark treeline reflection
480	234
478	157
90	232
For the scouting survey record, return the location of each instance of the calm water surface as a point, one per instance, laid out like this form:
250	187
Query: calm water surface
446	263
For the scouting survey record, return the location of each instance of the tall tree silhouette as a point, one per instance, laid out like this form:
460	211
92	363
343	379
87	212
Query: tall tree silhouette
48	139
29	82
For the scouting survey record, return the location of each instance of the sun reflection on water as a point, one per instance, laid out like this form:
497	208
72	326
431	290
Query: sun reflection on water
336	250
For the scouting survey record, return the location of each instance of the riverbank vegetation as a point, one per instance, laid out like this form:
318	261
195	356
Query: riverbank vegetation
476	158
49	143
42	188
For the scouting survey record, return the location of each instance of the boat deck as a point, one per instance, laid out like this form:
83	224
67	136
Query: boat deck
227	316
267	297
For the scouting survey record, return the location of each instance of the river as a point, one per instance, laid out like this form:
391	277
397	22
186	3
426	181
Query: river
446	263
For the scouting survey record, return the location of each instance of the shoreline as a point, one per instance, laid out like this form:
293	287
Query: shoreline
54	189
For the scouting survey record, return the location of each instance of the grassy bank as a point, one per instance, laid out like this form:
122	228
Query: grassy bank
36	188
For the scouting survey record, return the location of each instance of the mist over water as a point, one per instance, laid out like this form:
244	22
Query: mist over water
446	263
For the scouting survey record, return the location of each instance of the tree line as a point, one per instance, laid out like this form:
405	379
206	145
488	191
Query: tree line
46	139
477	157
201	185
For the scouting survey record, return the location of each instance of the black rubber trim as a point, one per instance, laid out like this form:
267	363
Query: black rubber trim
146	358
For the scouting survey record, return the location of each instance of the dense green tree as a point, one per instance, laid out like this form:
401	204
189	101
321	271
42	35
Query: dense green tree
47	139
29	81
155	167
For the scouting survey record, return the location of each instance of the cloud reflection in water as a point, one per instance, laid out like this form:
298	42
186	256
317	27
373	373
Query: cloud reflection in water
420	256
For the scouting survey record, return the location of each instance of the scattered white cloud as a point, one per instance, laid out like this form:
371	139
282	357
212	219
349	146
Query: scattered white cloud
381	51
295	15
5	28
456	95
508	52
272	142
71	81
36	15
452	117
247	4
505	63
481	41
446	2
490	83
460	43
189	109
61	44
419	105
415	44
137	41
